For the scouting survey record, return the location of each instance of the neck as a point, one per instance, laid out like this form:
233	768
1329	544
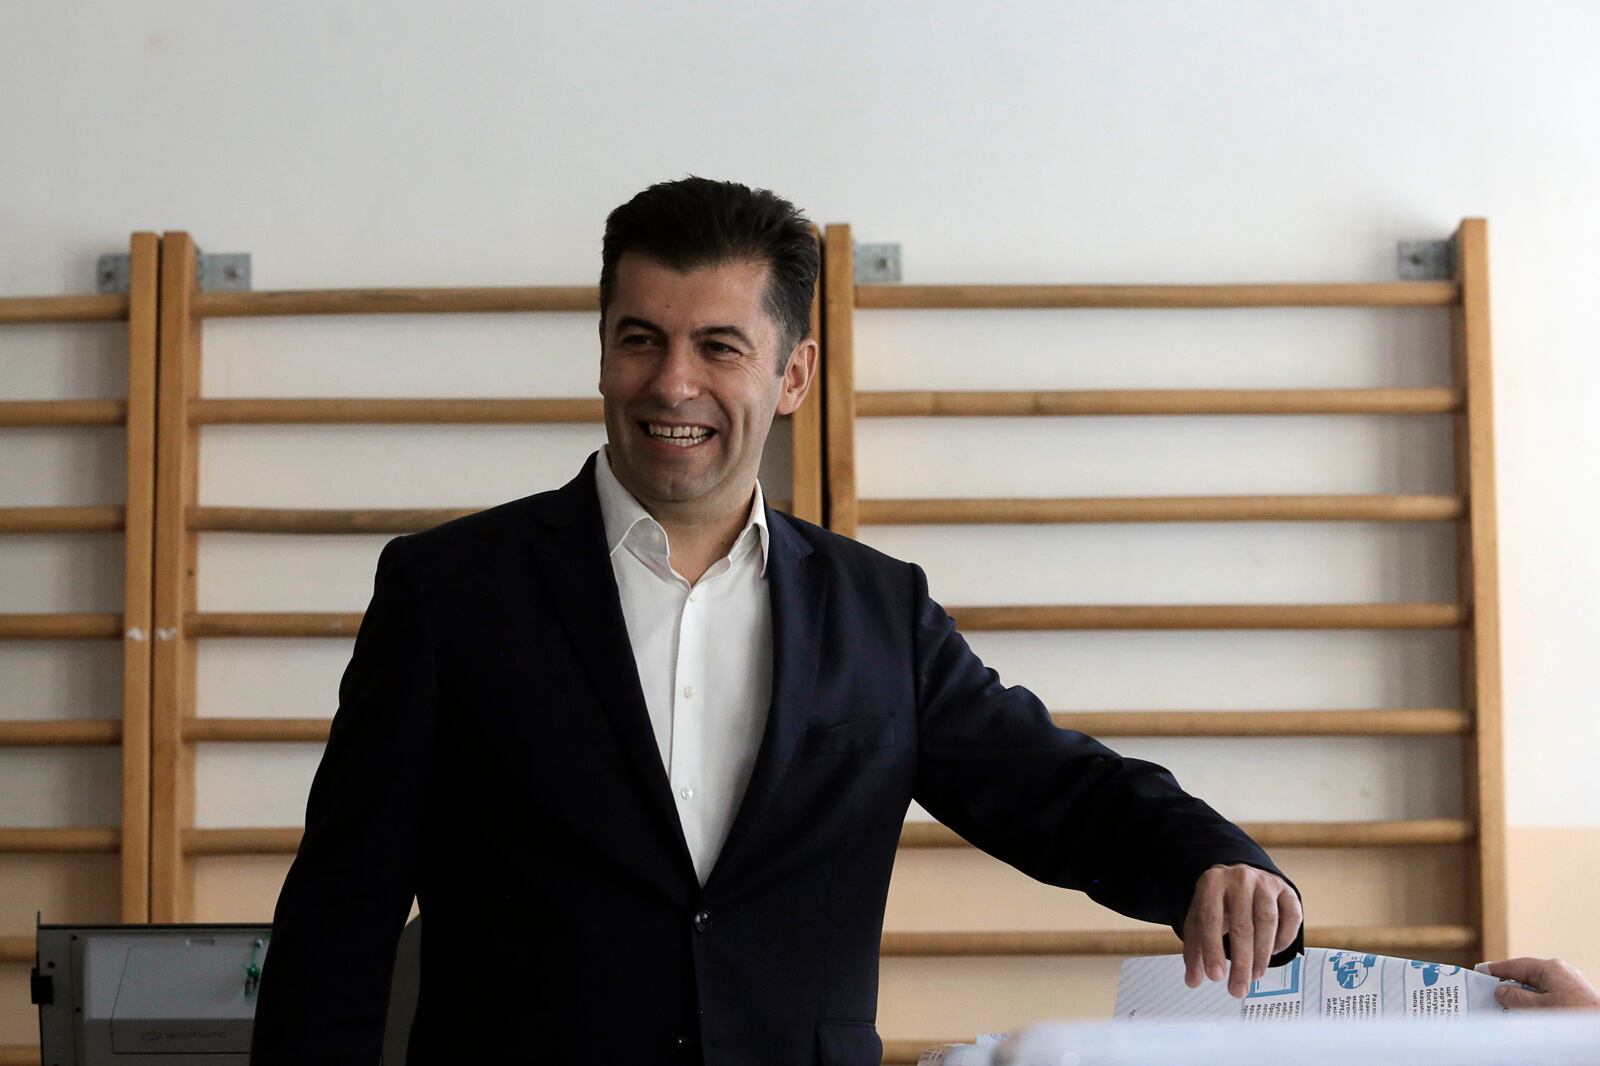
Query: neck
697	540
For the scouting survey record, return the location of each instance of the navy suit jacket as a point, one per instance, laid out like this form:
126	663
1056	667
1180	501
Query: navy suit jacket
492	755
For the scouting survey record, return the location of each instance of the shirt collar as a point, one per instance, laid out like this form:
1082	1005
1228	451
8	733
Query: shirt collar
620	513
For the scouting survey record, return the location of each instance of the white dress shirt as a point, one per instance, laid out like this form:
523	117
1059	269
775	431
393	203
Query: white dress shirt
704	653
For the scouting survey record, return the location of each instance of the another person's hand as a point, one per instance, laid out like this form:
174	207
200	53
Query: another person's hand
1257	910
1558	984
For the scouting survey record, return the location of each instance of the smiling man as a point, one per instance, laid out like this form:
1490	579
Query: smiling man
641	747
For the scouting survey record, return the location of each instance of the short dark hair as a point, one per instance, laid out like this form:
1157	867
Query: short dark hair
697	222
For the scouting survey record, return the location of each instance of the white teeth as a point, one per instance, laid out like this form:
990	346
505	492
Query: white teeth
682	436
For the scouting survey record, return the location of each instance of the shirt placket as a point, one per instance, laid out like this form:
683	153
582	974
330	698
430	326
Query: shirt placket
688	770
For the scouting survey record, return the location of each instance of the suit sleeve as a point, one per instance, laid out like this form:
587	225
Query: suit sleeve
325	982
1056	804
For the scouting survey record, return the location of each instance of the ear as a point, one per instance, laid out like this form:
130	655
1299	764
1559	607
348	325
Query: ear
797	377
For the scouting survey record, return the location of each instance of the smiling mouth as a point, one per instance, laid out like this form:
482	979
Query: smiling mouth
678	436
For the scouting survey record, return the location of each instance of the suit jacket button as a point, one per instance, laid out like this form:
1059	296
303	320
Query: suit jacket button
683	1049
702	921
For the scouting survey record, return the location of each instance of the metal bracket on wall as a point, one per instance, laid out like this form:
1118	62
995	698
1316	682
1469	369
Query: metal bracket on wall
1427	260
877	263
214	272
113	273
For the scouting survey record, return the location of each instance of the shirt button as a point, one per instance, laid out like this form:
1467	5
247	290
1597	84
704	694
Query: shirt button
686	792
688	692
702	921
694	597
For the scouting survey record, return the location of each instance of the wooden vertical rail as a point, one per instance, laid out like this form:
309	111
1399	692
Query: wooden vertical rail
805	429
172	760
838	330
138	550
1477	588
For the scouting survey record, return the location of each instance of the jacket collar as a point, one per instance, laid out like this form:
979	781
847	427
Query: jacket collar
798	586
569	553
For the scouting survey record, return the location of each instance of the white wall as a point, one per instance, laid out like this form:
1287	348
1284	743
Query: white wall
409	143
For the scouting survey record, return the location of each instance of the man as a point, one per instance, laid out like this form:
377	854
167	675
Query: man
642	747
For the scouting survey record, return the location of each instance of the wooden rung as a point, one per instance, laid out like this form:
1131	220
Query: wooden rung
60	626
72	733
22	310
910	1052
394	412
1213	616
28	1055
62	519
999	404
1421	832
255	730
27	414
1163	509
1017	297
14	949
60	841
241	841
1413	941
334	520
902	1052
396	301
1415	833
1409	722
1429	832
327	520
971	619
272	624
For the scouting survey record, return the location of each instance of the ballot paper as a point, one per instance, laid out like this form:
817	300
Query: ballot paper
978	1053
1325	987
1327	983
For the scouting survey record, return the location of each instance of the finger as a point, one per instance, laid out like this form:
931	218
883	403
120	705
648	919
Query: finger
1242	933
1527	970
1266	929
1192	974
1289	918
1514	998
1209	931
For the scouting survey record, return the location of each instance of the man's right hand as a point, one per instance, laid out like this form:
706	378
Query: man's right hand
1558	984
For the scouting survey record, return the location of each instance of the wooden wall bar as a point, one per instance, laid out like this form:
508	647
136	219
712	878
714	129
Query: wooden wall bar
1470	510
138	558
177	481
1478	584
184	411
129	731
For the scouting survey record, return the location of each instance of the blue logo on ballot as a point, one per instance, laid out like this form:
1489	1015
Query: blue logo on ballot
1350	969
1432	971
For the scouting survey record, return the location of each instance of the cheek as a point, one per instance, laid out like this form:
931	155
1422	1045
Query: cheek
616	380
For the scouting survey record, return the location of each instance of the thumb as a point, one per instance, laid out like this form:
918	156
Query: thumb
1515	998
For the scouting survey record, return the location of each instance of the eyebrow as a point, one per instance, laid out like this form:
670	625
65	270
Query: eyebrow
635	322
726	331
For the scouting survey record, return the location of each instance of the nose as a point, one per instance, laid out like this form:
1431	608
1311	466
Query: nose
678	375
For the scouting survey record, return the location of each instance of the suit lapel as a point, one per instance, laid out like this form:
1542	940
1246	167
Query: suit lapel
798	588
571	557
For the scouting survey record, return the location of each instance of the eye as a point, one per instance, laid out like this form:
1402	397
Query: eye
635	340
718	348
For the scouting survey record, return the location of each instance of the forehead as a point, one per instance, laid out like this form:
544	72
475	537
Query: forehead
730	293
